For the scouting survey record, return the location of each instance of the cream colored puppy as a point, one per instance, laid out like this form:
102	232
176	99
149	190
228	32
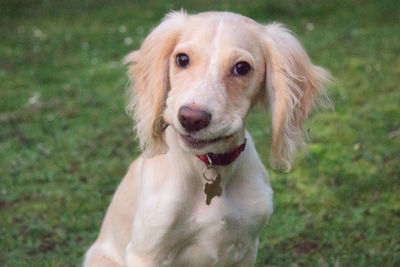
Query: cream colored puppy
199	195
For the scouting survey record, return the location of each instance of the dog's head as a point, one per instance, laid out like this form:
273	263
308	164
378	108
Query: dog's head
201	74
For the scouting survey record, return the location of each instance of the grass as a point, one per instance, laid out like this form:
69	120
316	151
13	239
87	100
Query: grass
65	141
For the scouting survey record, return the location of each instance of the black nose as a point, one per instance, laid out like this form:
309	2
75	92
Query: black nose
193	119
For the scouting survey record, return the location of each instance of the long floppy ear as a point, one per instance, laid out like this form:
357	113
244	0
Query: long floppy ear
149	84
294	87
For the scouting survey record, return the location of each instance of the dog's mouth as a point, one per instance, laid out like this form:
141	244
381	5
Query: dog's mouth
201	143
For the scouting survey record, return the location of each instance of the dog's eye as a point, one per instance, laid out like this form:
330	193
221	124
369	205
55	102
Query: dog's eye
182	60
241	68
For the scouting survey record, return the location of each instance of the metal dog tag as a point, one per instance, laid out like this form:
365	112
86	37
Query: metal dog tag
213	189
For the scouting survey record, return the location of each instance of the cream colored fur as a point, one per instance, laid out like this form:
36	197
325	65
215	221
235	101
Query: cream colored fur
158	215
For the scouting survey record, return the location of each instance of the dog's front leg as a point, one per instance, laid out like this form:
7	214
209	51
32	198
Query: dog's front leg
133	258
250	257
102	255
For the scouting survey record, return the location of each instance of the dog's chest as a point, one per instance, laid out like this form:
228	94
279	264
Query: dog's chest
220	234
180	229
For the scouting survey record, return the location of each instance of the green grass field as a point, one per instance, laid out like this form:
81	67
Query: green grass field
66	142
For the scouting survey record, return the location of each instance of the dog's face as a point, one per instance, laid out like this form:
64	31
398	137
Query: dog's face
201	74
215	71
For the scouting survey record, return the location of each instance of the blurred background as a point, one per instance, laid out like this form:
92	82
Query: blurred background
66	142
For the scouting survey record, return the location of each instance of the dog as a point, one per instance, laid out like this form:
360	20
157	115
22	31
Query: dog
199	195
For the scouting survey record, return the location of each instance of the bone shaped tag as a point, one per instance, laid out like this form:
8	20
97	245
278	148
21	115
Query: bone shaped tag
213	189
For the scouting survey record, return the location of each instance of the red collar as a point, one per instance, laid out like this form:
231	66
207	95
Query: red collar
222	159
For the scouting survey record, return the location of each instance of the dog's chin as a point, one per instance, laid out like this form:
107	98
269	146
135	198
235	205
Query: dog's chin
219	144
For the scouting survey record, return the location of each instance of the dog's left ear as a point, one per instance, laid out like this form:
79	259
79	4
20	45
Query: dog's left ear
148	72
294	86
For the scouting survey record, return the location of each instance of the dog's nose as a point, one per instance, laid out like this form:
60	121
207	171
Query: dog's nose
193	119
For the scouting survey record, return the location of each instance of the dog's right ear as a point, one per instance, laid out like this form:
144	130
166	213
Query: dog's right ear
148	74
294	87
